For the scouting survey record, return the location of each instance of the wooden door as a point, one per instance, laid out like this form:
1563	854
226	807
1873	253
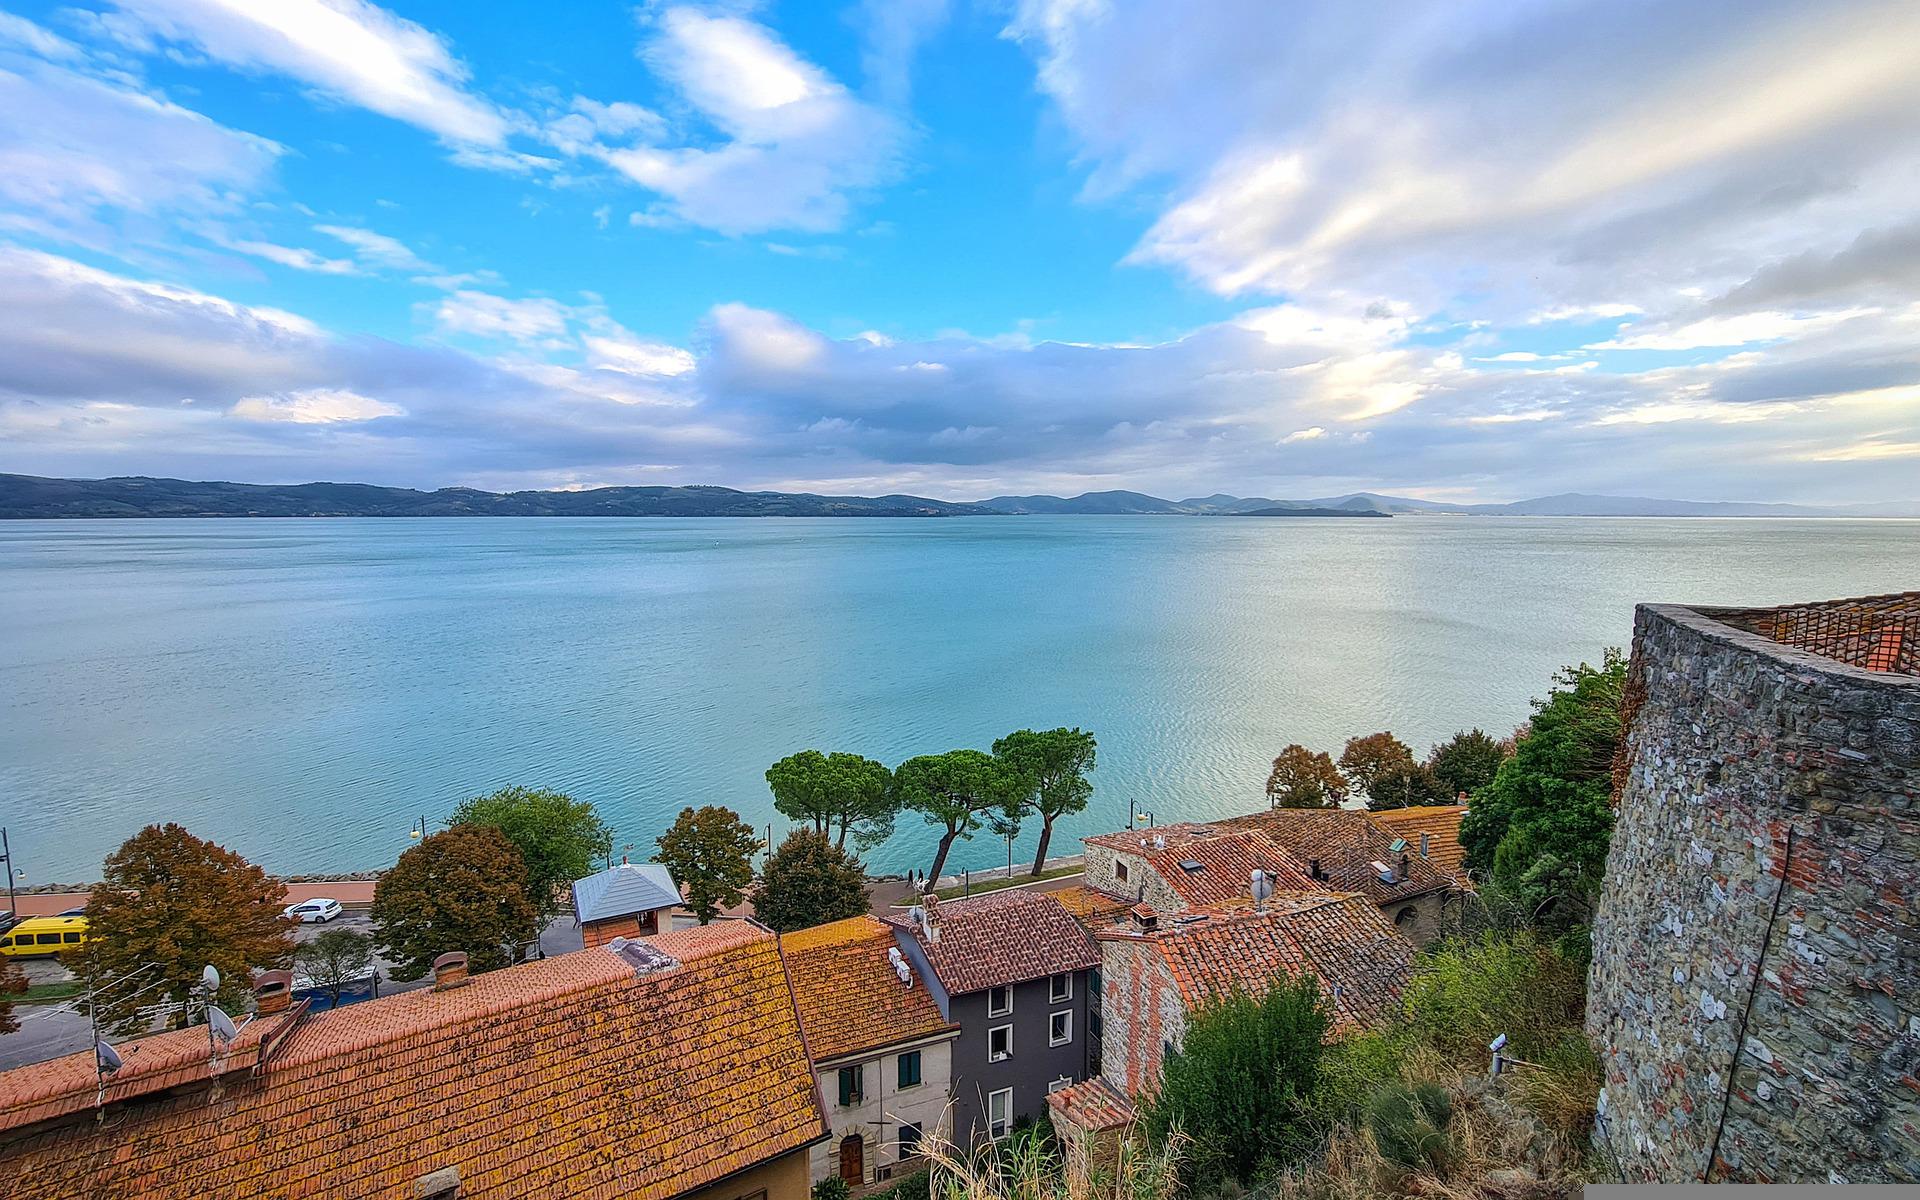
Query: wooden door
853	1164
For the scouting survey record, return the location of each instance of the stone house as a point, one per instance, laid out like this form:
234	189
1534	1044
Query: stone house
1433	832
881	1051
1172	868
1155	971
1346	851
1013	970
1755	990
632	900
671	1068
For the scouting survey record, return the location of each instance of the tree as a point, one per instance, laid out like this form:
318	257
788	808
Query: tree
1466	762
560	839
1052	766
463	888
335	958
170	899
956	791
1540	829
710	852
1303	779
1404	785
1366	759
1241	1086
13	981
809	881
837	793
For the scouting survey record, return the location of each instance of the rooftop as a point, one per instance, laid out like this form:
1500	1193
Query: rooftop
1875	633
572	1076
1092	1105
1342	939
1346	843
623	891
1158	837
850	997
1441	824
1001	938
1090	906
1218	869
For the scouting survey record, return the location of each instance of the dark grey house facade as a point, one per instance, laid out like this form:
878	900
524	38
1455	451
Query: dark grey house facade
1013	972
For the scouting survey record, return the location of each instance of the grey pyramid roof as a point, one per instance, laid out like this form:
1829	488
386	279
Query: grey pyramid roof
623	891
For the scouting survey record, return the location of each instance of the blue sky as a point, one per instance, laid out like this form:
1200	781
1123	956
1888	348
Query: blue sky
1461	251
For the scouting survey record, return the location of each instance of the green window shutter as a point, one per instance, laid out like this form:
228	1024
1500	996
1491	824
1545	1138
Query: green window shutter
910	1069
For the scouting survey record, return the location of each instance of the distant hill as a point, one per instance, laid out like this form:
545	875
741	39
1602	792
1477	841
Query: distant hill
23	496
1290	511
1088	504
1568	505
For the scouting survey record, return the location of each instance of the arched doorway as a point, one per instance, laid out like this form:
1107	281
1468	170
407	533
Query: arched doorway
853	1162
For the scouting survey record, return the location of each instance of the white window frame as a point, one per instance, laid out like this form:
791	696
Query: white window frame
1060	1085
1068	1039
1006	1121
1009	1054
1064	995
1000	1012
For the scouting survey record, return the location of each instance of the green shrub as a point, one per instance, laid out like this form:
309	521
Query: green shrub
1409	1125
917	1186
832	1188
1464	994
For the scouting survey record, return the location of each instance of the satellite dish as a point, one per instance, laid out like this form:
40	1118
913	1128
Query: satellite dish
1262	885
210	978
107	1056
222	1024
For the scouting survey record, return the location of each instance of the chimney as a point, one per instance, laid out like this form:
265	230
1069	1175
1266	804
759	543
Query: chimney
930	906
1145	920
1423	846
272	992
623	860
1406	867
450	970
1313	869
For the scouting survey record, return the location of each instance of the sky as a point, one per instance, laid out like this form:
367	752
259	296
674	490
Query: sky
1461	251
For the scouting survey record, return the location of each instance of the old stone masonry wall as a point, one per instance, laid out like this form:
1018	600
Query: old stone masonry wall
1755	992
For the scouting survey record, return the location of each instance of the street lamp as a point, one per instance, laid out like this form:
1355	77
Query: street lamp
418	830
6	856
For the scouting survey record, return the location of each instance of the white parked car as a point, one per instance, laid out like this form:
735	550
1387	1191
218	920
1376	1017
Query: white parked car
318	910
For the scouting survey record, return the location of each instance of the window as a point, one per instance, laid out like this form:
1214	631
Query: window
910	1140
1060	1085
1060	1028
1000	1113
47	939
852	1084
1120	870
1000	1043
1059	988
71	937
909	1069
999	1001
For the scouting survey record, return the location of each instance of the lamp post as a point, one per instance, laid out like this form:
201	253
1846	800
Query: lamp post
6	856
417	832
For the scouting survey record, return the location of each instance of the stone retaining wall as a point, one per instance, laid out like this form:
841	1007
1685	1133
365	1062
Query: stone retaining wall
1755	992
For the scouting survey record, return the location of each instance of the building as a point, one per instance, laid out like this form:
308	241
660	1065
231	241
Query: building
1433	831
1345	851
882	1052
1172	868
631	900
1013	970
1156	971
667	1068
1755	989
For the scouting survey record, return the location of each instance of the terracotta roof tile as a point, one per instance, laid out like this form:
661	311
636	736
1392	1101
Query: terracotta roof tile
1176	835
1347	844
1222	865
849	996
1092	1105
1441	824
1090	906
1342	939
1001	938
569	1077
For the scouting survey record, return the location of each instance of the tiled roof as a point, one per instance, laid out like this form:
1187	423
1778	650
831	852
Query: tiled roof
575	1076
623	891
1222	865
1441	824
1091	907
849	996
1092	1105
1343	939
1347	844
1003	937
1146	841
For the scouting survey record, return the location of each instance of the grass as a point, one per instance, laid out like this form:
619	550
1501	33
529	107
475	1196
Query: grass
50	993
994	885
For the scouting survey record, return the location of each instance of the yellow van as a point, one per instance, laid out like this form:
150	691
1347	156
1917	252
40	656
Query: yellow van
44	935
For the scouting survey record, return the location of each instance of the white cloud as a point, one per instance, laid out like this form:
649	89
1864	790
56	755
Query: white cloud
1311	433
347	49
632	356
485	315
794	142
296	257
376	249
24	33
315	406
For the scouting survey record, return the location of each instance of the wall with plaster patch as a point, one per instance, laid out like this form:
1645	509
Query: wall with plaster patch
1755	992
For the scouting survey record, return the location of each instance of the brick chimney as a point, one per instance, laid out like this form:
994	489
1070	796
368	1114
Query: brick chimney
930	910
450	970
1313	869
1145	920
272	992
1406	867
1423	846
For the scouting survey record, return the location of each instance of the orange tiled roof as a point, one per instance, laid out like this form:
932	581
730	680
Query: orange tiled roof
1346	843
1092	1105
1224	863
1176	835
1343	940
1441	824
576	1076
1090	906
849	996
1003	937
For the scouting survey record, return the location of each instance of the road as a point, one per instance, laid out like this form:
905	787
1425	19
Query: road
51	1030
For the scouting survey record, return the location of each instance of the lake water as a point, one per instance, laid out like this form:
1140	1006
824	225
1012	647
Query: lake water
303	690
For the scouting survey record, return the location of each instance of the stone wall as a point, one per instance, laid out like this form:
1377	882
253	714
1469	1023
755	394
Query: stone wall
1141	1014
1756	967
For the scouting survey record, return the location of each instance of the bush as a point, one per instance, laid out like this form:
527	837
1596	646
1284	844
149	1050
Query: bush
1409	1125
1464	994
832	1188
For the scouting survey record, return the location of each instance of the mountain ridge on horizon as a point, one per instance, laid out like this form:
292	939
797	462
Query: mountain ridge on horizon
43	497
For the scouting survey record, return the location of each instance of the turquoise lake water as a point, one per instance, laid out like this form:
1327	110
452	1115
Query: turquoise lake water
302	690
